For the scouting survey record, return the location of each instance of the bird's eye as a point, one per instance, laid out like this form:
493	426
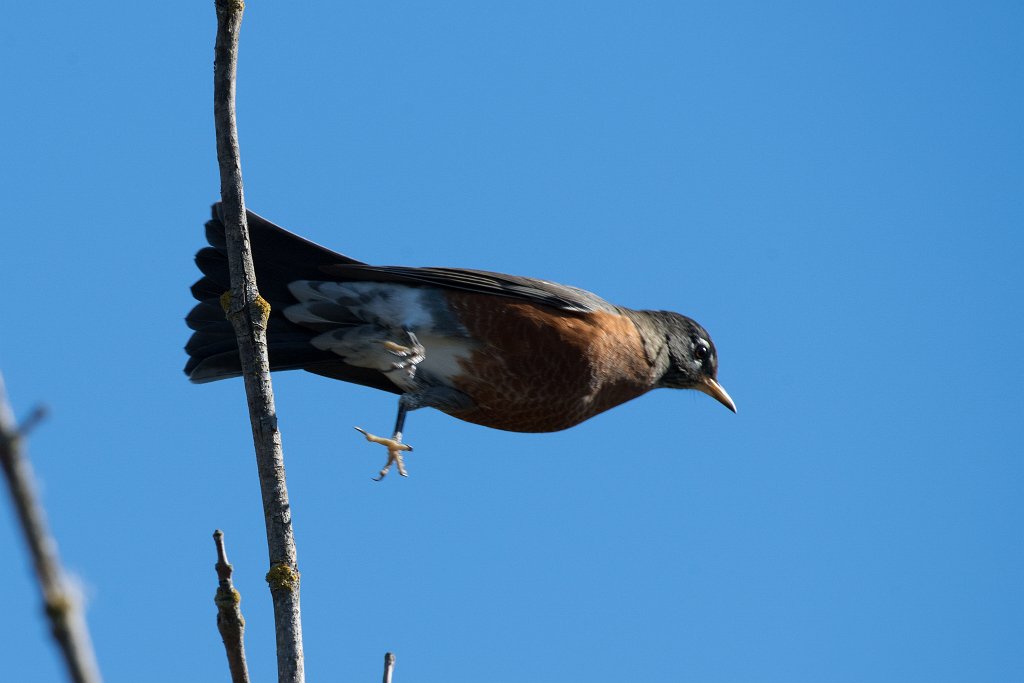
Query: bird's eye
701	351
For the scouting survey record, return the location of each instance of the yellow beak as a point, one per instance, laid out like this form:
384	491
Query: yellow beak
715	391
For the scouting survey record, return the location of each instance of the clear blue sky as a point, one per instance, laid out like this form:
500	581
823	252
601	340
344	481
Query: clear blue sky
833	189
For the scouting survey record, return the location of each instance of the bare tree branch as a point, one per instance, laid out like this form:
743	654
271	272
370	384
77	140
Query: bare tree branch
389	666
248	313
229	614
61	597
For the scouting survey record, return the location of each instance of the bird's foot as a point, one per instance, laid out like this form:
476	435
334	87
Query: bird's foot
406	357
395	448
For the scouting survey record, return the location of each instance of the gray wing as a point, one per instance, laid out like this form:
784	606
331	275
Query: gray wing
478	282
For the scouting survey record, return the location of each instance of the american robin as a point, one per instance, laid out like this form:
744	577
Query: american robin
502	351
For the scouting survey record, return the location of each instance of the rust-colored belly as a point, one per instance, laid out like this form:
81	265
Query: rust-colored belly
541	370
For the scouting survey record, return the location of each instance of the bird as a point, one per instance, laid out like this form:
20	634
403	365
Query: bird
503	351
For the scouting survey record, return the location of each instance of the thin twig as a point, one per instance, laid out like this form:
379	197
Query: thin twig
61	597
230	622
389	666
248	314
33	420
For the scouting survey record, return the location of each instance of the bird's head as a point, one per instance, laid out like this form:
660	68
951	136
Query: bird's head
687	356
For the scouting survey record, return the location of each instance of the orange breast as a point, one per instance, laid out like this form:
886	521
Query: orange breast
541	370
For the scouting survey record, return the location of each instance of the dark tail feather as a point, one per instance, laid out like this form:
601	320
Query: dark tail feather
280	257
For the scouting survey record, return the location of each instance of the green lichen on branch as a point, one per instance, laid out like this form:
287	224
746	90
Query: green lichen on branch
260	306
227	597
59	605
283	577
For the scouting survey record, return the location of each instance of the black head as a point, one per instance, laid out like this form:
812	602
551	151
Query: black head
692	361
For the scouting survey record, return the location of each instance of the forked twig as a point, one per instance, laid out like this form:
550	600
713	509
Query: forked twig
61	597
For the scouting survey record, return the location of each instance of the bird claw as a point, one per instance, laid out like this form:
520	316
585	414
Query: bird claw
408	356
395	448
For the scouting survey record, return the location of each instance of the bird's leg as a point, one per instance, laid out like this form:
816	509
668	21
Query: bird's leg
405	359
394	444
444	398
395	448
